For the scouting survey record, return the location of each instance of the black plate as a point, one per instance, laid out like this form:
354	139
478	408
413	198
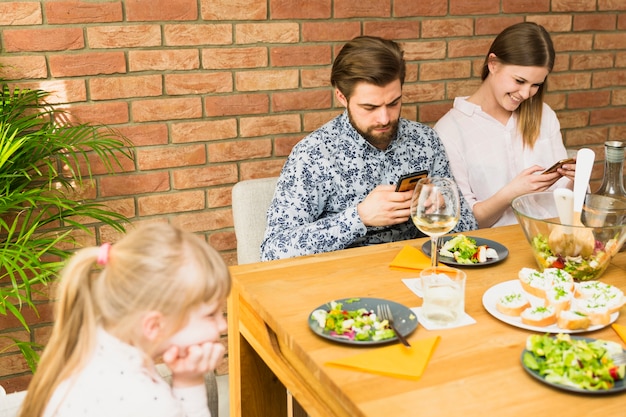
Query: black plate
404	319
502	251
618	387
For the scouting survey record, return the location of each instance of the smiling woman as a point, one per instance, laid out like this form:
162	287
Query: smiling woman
501	138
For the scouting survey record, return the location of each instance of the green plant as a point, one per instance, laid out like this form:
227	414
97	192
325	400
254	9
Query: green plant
44	159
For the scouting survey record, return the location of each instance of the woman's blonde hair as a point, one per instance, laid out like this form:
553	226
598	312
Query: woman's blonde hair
525	44
156	267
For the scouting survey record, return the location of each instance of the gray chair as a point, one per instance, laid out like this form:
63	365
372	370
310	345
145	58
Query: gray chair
251	199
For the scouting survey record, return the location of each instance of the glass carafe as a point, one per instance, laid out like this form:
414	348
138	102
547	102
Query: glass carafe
613	180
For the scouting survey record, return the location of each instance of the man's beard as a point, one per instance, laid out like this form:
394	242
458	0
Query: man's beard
380	141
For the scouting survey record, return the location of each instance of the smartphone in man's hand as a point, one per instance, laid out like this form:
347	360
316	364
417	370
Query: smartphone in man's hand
408	182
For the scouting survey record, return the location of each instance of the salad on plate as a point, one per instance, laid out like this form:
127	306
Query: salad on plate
358	325
578	363
464	250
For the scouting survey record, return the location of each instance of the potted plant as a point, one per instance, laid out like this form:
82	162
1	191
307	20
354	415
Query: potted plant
44	158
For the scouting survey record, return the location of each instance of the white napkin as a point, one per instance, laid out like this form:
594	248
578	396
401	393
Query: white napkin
415	285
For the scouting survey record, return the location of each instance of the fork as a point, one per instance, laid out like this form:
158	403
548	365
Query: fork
619	358
384	312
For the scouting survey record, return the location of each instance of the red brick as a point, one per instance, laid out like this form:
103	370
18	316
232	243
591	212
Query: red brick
611	5
170	203
289	56
76	11
222	241
620	60
443	28
315	77
297	9
217	174
124	206
443	70
586	99
582	137
301	100
573	119
23	67
167	109
170	156
363	8
29	40
553	23
430	113
107	88
570	81
282	32
163	60
14	13
412	8
107	113
464	7
233	9
124	36
461	88
459	48
12	364
236	104
200	83
573	5
420	93
595	21
198	34
120	185
396	30
161	10
423	50
60	92
593	60
145	134
266	80
610	41
239	151
573	42
260	169
91	63
219	196
556	101
230	58
619	99
607	116
314	120
525	6
284	144
205	130
206	220
495	25
603	79
330	31
269	125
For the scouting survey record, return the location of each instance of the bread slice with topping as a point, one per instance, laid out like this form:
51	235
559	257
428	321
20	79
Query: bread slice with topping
513	303
573	320
540	316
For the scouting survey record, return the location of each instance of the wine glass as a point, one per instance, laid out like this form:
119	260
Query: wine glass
435	209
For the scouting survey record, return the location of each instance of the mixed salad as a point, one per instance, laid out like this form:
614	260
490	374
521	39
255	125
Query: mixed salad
577	363
464	250
360	325
580	268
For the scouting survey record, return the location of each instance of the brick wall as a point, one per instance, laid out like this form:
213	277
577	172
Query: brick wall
216	91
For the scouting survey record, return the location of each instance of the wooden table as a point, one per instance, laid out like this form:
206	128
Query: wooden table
474	370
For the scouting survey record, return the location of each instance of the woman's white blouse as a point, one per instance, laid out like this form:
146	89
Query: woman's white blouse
116	383
486	155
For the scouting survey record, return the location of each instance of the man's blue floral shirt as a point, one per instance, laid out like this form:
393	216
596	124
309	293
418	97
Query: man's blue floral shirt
333	169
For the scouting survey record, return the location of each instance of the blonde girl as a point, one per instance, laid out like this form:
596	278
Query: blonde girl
156	294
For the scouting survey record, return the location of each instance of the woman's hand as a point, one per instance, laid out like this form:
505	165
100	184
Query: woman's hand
190	364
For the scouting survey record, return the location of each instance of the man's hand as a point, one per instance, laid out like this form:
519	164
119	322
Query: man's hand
384	206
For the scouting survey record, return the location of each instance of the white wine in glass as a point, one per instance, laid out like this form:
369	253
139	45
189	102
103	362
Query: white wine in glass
435	209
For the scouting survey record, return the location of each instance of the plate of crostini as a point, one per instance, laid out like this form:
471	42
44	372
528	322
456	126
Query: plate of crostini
551	302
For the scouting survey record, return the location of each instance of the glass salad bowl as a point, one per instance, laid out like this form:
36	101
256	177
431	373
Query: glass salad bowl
584	250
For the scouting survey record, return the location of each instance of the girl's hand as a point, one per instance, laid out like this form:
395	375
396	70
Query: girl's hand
190	364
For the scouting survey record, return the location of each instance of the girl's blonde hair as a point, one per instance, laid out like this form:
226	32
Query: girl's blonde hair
525	44
156	267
